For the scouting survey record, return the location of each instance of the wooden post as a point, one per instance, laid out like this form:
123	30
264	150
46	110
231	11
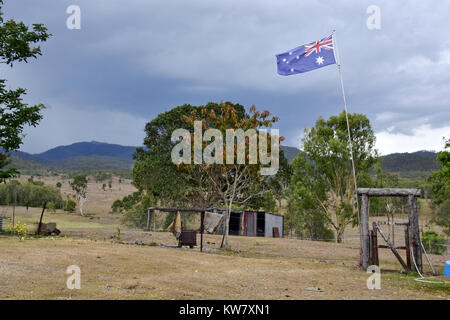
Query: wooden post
408	248
371	259
413	216
365	246
391	246
40	220
202	219
374	246
149	218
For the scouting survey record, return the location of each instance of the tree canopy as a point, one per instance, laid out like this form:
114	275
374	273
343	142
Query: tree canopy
154	170
204	184
18	43
322	184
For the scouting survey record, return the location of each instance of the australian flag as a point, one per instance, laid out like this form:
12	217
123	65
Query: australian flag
308	57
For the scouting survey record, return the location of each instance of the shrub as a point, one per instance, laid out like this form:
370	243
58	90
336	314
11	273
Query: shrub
51	206
433	242
20	229
117	206
70	205
135	215
119	239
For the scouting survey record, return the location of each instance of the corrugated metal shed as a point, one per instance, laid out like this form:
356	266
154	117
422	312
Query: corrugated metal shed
273	221
250	223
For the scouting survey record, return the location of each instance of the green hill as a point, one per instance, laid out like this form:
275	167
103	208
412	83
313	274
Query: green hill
290	152
411	165
94	163
32	168
85	163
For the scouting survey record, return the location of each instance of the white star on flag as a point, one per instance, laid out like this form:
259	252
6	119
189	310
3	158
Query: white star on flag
319	60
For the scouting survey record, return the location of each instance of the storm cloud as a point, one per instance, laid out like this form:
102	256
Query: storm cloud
134	59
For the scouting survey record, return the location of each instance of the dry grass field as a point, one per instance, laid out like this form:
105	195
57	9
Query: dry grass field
255	268
98	201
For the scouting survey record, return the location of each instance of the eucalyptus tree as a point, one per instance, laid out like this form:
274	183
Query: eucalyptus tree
323	180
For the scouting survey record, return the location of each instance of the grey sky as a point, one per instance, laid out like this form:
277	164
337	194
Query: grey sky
134	59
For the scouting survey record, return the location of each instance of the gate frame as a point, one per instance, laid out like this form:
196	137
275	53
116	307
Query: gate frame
413	220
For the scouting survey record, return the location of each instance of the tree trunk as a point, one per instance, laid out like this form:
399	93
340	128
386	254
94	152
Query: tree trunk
227	218
339	234
14	207
227	224
80	206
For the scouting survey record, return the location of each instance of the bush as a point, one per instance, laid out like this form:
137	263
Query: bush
70	205
51	206
433	242
20	229
127	203
117	206
135	213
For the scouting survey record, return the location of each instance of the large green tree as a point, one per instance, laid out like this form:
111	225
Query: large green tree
18	43
199	185
235	182
276	187
322	185
155	173
440	181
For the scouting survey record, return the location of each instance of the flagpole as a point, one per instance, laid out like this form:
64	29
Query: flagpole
349	135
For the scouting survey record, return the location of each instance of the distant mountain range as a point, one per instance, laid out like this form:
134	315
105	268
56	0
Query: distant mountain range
78	156
96	156
417	164
80	149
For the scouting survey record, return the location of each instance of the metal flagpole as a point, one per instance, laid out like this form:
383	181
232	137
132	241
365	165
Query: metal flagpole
349	135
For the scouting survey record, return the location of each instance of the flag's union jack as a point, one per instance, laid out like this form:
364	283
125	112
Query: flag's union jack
308	57
326	44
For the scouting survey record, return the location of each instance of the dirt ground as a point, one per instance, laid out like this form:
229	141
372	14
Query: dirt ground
255	268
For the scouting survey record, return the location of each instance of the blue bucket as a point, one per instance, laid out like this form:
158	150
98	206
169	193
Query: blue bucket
447	269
